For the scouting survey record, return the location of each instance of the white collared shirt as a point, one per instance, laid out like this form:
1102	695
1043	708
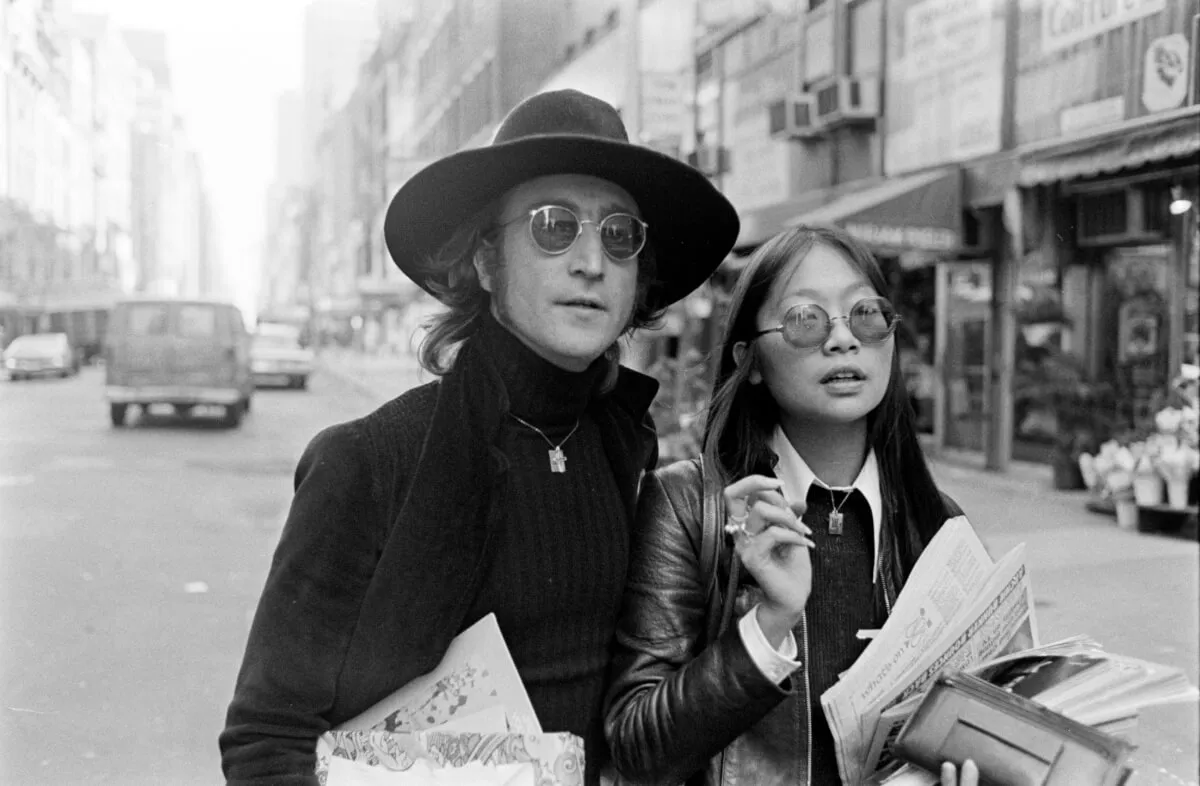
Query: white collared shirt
793	471
796	478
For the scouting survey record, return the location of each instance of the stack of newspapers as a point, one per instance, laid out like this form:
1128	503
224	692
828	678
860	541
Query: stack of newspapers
960	611
469	722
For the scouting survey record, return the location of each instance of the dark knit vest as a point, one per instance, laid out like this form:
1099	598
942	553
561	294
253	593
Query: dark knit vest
559	567
840	606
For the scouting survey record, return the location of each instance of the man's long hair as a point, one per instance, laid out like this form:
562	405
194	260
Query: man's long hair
741	417
452	276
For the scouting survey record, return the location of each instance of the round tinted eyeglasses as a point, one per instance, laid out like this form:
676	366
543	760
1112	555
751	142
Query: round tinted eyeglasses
554	229
871	320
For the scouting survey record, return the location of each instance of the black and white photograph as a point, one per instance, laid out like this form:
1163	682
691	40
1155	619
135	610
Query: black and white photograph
600	392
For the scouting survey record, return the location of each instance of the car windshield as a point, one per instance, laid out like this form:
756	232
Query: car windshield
44	341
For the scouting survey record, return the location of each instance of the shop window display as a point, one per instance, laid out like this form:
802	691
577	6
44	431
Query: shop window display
1134	347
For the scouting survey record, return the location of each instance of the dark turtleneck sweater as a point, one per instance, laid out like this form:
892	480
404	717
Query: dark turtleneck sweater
841	604
559	565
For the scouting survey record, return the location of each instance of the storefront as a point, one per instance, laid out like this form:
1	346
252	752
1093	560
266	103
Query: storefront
1106	132
1121	300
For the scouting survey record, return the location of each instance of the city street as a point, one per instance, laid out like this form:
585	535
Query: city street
131	560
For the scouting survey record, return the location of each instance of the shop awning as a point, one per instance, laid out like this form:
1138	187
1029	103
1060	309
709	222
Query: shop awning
921	212
1122	149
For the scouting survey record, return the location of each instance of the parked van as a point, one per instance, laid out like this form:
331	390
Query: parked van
180	352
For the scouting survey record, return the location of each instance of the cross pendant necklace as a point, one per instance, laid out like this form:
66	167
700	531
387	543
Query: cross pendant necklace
558	459
836	517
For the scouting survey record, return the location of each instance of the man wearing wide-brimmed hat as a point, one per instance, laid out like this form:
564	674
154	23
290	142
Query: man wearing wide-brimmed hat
509	485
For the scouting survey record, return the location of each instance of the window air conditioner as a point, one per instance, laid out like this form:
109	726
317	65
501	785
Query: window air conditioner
848	99
793	117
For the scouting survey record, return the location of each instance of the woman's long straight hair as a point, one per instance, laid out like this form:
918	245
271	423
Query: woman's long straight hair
741	417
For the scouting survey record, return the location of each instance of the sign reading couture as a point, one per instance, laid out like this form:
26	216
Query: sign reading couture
1067	22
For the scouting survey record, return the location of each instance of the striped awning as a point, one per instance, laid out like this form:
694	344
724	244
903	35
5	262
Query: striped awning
1099	155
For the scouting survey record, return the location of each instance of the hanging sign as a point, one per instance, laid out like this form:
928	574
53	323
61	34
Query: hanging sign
1165	77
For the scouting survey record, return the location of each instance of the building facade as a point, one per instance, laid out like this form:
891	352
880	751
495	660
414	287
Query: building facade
55	273
1015	168
1106	120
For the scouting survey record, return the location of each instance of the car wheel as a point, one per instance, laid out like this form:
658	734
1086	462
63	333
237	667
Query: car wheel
246	405
233	415
117	413
302	383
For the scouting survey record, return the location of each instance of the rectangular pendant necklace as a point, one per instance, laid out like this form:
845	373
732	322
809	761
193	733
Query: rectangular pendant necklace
558	459
836	518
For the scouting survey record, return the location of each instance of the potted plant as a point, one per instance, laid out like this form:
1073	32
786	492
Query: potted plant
1052	391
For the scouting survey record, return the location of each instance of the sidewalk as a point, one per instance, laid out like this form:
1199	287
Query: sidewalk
378	377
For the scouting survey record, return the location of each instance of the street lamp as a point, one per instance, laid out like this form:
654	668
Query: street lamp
1180	204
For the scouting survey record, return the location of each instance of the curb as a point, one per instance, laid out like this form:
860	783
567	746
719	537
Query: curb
351	379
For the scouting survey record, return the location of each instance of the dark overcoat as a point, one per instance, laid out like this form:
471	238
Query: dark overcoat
384	548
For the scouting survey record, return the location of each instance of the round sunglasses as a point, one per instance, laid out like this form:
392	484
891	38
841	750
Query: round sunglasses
871	320
554	229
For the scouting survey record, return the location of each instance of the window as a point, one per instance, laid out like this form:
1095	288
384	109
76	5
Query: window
148	320
866	37
197	321
818	48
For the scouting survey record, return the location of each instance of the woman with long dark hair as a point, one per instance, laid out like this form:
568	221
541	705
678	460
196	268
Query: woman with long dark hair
756	567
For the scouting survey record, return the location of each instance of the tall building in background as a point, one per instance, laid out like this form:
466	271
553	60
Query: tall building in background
338	35
53	272
101	193
151	142
115	80
284	292
168	186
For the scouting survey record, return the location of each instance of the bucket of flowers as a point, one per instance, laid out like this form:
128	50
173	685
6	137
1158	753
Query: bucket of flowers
1177	457
1109	475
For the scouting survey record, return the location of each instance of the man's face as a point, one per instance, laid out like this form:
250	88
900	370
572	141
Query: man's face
570	307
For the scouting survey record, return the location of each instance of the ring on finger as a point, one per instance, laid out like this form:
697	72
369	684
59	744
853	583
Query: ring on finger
738	524
735	529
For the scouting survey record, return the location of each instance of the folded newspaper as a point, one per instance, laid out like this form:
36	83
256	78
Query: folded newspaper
960	611
957	609
469	721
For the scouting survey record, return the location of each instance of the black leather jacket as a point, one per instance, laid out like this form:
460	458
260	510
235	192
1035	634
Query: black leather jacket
685	689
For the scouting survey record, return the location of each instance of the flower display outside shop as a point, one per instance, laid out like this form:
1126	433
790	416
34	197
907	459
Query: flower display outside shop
1156	467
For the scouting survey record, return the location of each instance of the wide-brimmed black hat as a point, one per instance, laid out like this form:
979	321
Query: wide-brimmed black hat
692	225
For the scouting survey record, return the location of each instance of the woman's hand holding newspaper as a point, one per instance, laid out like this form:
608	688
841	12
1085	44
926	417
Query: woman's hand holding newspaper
950	777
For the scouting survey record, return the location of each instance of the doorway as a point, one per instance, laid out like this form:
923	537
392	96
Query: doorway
964	304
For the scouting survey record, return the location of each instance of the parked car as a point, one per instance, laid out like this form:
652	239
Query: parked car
278	359
185	353
41	353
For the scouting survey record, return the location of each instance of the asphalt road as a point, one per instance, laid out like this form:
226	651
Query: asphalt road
131	560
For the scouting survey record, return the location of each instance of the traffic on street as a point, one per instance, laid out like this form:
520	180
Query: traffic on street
130	562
